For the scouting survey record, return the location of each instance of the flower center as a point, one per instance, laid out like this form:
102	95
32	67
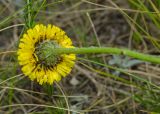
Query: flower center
45	54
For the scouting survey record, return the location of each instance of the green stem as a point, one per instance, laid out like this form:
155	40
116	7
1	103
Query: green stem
108	50
29	13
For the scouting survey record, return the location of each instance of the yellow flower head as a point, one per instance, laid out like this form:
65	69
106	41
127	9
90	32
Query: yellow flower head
35	58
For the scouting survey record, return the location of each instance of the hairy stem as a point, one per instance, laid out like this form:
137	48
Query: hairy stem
108	50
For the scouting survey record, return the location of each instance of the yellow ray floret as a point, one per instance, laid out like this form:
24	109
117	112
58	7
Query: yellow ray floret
31	64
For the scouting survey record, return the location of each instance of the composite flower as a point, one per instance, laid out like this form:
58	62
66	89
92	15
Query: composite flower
36	58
